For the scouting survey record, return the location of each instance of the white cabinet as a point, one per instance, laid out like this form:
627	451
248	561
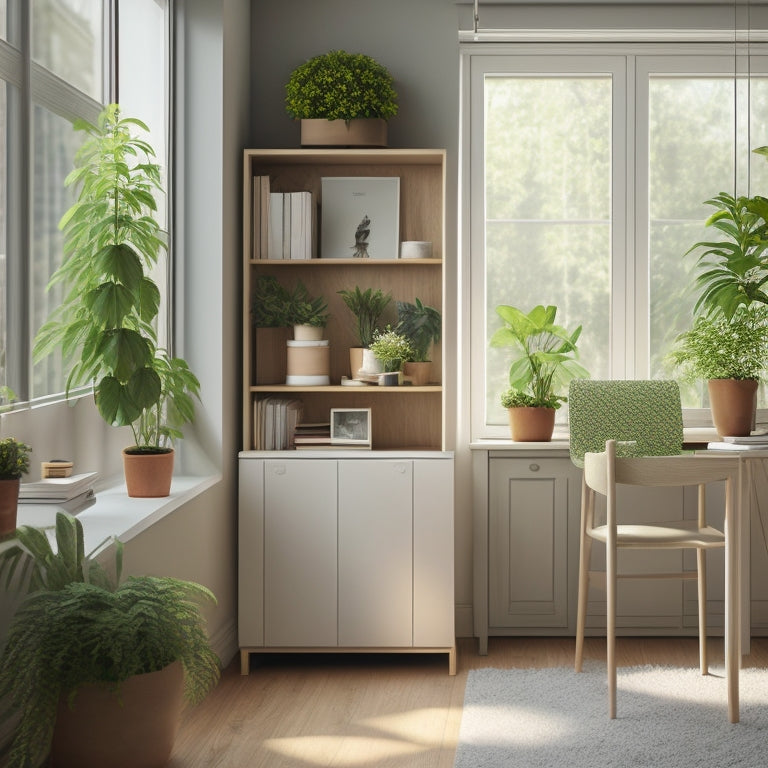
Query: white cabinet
346	553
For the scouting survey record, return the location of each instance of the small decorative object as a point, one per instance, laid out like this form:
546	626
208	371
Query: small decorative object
56	468
351	426
392	348
423	326
308	363
360	217
416	249
731	355
81	643
342	99
112	242
14	462
544	361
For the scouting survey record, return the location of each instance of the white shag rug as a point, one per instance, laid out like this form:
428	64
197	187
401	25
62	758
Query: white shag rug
666	718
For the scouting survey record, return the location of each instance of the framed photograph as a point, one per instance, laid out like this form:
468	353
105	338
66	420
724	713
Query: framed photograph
351	426
360	217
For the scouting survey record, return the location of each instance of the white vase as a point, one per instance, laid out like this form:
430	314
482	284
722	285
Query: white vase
307	333
371	363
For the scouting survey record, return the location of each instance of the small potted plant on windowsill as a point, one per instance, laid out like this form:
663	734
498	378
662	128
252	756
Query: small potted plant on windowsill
14	462
367	306
342	99
93	670
105	326
730	354
544	362
423	326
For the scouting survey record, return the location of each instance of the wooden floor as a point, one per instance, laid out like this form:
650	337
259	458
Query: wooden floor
366	711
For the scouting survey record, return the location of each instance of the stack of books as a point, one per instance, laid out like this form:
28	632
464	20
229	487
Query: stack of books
69	493
756	442
312	435
275	422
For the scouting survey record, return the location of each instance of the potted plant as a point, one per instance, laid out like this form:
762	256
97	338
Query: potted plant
423	326
105	327
544	361
14	462
392	348
96	673
342	99
731	355
307	315
367	306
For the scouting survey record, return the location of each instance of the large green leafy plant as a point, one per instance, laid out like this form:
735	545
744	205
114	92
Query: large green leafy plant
340	86
544	356
367	306
105	327
422	325
76	627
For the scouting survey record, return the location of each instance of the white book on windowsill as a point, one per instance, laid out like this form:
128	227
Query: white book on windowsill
57	488
728	446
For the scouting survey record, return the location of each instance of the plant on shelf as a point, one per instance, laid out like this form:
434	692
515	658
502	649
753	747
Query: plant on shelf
105	326
270	303
341	99
367	306
422	325
544	361
340	86
305	310
80	639
730	354
14	462
392	348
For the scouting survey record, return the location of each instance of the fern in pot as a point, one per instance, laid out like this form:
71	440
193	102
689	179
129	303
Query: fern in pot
106	325
93	672
367	306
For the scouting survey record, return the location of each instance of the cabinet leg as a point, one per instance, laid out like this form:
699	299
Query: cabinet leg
452	661
245	661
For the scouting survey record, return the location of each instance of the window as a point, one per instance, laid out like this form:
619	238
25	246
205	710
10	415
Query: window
56	64
588	170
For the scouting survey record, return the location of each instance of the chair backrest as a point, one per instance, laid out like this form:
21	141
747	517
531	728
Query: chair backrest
648	413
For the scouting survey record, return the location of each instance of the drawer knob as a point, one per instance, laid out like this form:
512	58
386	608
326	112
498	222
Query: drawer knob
534	467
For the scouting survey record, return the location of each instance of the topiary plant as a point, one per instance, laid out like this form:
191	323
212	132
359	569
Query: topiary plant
340	86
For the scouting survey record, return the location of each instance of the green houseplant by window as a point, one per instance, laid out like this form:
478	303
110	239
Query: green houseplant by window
544	361
730	354
105	326
345	88
14	462
94	669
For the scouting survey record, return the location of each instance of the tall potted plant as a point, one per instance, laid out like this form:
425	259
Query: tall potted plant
105	326
423	326
14	462
95	671
367	306
730	354
544	361
342	99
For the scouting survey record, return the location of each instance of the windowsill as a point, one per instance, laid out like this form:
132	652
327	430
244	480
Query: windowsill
114	513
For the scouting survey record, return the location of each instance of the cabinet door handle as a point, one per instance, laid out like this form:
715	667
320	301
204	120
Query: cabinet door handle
534	467
278	469
400	468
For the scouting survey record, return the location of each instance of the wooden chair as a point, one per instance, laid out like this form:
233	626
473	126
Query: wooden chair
642	420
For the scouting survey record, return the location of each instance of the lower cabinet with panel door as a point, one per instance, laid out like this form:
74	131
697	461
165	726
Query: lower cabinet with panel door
339	553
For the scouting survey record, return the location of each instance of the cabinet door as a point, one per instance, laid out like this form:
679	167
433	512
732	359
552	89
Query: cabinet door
300	553
375	553
530	500
433	604
250	597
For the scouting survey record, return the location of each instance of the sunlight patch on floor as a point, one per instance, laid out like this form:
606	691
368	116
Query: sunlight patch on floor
343	750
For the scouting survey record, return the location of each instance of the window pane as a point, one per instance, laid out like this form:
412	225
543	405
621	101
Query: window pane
3	233
548	210
54	143
4	19
67	40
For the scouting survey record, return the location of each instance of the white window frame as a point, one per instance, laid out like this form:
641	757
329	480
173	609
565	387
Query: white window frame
629	63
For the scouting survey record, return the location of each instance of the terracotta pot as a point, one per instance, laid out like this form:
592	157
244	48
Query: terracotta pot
532	425
733	403
362	132
148	475
9	502
418	373
355	360
132	728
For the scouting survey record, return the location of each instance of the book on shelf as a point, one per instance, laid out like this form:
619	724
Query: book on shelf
260	234
292	224
54	490
312	439
723	445
275	420
334	447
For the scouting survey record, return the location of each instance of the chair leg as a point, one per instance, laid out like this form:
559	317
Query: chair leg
585	551
701	565
610	634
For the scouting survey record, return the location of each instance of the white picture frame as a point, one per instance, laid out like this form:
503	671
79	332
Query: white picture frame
351	426
360	217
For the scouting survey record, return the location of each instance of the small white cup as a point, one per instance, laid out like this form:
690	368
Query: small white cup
416	249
